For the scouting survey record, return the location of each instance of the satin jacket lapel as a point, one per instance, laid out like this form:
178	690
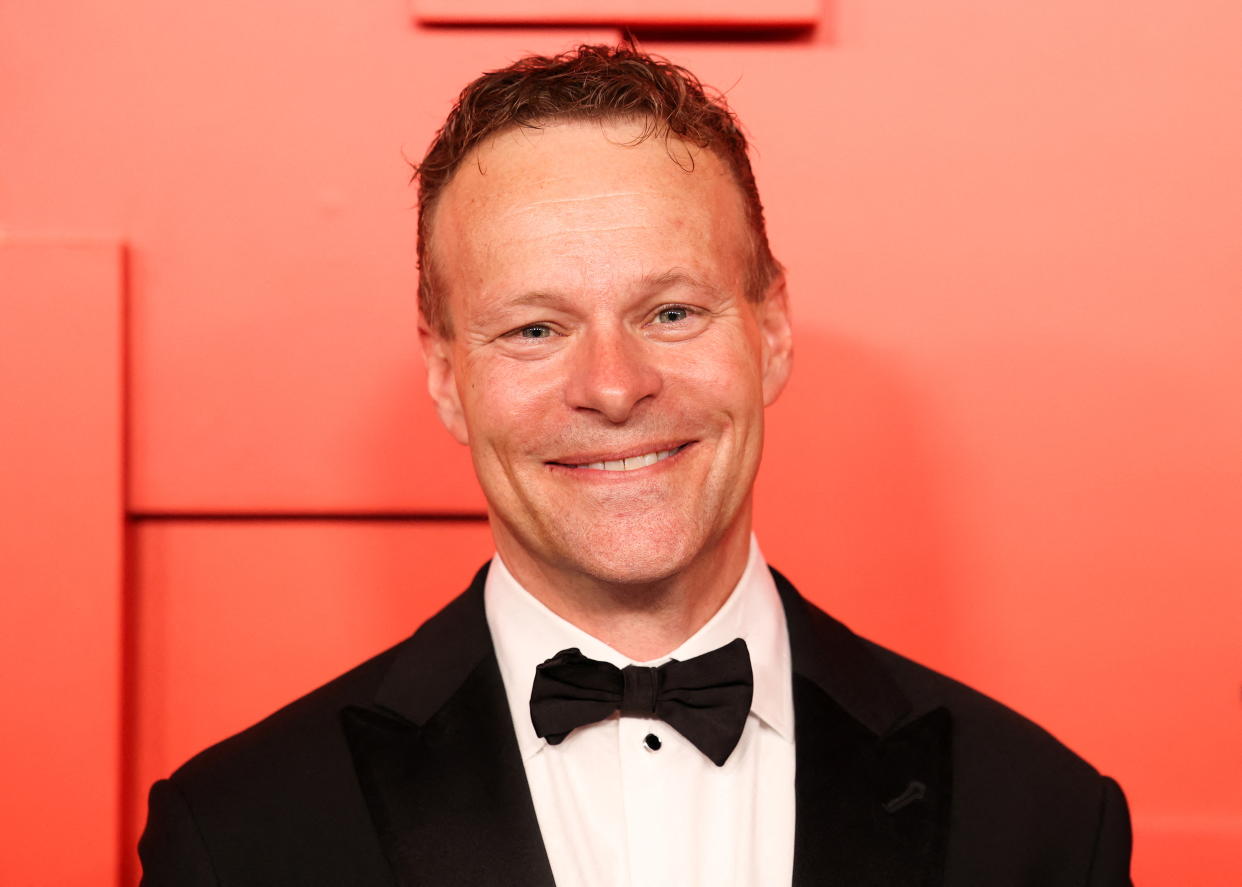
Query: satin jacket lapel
873	778
438	762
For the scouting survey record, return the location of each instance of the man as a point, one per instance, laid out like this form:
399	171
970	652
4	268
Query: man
626	694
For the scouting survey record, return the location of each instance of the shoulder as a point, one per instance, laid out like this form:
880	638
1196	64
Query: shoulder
983	727
276	803
290	738
1017	789
1022	806
306	733
280	802
885	691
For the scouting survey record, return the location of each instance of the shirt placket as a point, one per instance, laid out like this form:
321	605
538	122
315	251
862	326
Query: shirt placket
651	753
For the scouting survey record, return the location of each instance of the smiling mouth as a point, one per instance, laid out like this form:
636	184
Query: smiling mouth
630	463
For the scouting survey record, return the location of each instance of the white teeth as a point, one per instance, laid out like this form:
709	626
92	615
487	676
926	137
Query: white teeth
630	463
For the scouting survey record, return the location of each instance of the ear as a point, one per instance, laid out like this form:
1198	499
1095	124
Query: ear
442	381
777	339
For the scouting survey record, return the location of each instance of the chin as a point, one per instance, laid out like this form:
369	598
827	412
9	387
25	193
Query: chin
624	554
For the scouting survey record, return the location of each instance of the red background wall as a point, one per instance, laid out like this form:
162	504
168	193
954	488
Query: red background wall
1011	447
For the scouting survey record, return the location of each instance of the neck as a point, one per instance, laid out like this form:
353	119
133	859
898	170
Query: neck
644	619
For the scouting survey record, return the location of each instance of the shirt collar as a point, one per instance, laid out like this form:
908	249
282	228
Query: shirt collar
525	633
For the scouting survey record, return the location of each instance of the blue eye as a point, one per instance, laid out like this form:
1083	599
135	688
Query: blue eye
672	314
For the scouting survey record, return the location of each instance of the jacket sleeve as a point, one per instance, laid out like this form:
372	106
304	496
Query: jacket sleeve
1110	863
171	848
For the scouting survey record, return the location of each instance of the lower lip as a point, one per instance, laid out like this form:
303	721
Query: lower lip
601	474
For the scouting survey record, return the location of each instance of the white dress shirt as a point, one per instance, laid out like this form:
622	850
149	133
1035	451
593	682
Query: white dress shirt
613	812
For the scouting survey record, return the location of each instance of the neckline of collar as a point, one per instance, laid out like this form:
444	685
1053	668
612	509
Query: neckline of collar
752	612
431	666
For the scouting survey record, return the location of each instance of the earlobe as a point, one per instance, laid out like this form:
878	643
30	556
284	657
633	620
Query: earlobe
442	381
777	337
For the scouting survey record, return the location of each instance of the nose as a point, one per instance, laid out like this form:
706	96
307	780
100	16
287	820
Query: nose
613	372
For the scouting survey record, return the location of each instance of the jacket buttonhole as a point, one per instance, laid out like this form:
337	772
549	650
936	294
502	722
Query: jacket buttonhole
915	791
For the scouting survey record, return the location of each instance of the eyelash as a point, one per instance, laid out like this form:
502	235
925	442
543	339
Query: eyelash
517	333
686	309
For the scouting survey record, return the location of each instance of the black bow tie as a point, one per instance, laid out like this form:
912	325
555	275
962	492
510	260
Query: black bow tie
705	699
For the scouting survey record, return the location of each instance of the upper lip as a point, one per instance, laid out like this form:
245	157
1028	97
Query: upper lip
586	458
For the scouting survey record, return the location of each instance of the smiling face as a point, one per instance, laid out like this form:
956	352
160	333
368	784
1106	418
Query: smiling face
605	367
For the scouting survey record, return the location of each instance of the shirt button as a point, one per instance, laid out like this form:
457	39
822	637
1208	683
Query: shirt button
652	742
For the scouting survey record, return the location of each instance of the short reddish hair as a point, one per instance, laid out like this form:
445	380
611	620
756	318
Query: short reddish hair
591	82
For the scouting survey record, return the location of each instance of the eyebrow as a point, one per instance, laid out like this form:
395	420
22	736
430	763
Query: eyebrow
652	283
676	277
498	313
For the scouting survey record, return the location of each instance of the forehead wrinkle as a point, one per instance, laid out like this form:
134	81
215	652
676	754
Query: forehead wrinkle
640	204
555	200
562	233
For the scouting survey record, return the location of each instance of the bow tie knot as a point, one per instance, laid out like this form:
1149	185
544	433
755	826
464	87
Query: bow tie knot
640	690
706	699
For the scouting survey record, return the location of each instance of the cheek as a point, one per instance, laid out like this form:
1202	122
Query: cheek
726	379
508	407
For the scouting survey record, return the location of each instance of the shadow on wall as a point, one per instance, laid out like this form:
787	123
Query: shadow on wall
848	502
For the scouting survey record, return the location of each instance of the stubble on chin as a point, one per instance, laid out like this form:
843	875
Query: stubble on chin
636	547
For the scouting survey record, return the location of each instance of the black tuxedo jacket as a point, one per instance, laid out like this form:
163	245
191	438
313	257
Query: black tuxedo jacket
405	771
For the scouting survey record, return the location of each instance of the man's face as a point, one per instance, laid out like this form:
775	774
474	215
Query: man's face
606	367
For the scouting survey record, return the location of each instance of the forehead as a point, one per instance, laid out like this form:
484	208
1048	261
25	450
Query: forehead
559	159
569	184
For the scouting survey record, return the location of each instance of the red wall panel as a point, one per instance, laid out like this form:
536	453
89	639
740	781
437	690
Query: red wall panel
60	560
663	13
236	618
